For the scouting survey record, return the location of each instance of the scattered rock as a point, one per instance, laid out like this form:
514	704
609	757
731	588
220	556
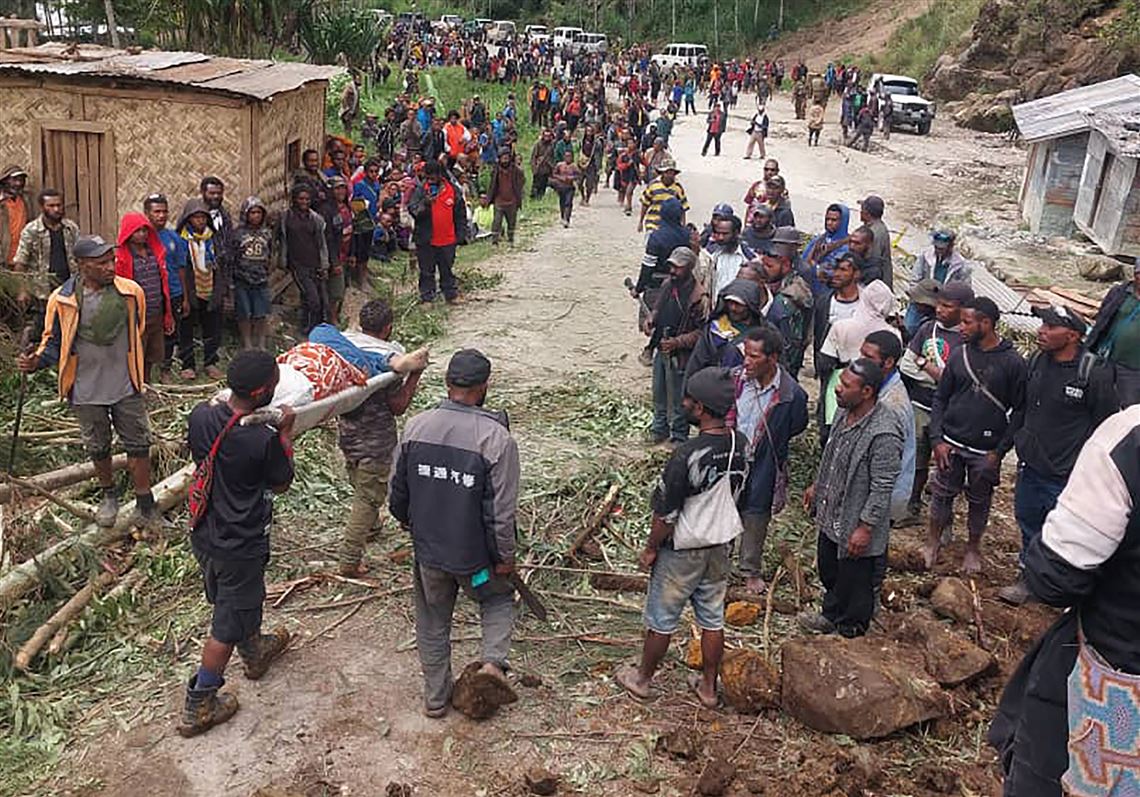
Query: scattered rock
400	556
398	790
683	743
950	658
612	583
933	777
1101	269
894	596
694	658
716	777
740	613
864	688
953	599
750	682
866	766
479	695
905	558
541	781
647	785
530	680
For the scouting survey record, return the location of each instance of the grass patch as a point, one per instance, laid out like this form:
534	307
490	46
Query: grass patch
917	44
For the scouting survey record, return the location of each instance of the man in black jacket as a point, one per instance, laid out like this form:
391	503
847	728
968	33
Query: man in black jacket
977	407
1116	336
1086	558
1069	392
455	485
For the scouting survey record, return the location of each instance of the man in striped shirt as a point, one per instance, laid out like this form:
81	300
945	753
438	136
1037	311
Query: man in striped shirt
664	187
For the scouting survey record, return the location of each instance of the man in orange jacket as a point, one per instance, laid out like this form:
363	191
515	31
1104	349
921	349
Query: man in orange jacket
456	136
93	334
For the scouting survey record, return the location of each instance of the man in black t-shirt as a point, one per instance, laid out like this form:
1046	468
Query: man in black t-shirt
697	575
231	541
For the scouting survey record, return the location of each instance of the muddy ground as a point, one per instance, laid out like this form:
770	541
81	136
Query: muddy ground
341	713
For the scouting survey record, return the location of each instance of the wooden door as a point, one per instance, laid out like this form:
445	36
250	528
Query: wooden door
78	160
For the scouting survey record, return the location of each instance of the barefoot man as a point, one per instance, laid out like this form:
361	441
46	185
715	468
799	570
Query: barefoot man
456	485
982	388
697	575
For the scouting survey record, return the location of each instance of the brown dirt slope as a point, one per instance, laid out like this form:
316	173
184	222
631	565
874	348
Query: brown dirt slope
860	34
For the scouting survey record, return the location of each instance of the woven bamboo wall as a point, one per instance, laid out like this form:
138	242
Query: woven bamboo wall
22	106
295	114
169	146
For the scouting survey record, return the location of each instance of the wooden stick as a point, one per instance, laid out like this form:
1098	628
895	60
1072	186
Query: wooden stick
61	638
66	613
63	477
82	512
596	523
983	640
343	618
566	596
747	736
768	611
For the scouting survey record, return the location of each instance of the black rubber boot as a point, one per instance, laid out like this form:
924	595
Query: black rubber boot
259	651
205	708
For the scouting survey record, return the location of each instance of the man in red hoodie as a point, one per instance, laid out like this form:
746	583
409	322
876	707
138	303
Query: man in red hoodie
140	256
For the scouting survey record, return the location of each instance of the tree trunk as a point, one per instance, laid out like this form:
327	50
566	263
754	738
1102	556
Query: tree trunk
112	26
736	17
755	16
780	25
716	27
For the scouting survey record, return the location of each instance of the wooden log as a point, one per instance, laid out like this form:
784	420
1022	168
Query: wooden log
66	613
596	522
64	637
63	477
25	576
79	510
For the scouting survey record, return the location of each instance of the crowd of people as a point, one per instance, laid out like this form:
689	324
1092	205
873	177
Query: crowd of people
915	403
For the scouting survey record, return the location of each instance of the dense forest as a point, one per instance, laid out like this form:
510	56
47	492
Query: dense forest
264	27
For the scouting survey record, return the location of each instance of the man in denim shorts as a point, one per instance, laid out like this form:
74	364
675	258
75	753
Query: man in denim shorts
696	576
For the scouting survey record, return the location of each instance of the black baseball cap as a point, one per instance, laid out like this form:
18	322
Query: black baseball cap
468	368
713	387
1058	315
89	246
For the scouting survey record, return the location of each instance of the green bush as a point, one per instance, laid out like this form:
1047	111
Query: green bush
916	45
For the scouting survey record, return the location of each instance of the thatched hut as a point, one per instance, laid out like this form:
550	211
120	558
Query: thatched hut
107	127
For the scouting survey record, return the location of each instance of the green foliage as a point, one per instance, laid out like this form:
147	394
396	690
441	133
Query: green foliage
915	46
1123	33
331	31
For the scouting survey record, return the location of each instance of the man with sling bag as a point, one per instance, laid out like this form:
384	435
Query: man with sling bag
977	408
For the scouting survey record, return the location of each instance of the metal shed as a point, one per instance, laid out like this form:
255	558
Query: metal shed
1108	204
107	127
1057	131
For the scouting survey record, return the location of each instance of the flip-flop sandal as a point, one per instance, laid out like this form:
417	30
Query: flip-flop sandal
695	682
625	676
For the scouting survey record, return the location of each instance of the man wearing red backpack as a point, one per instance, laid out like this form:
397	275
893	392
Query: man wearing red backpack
230	517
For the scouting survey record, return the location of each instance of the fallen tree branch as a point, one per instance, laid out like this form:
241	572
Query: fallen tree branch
983	639
65	614
28	574
63	477
64	637
596	523
768	611
81	512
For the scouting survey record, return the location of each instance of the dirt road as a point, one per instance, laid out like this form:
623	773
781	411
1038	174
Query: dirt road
343	709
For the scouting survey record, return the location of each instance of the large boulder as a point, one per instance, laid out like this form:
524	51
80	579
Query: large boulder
950	658
750	682
865	688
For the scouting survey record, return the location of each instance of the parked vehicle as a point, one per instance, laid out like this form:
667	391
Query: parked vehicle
383	18
501	32
409	19
536	34
565	36
590	43
910	108
681	54
451	21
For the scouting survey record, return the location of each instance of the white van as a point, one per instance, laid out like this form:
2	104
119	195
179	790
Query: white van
502	31
565	36
535	34
590	43
680	55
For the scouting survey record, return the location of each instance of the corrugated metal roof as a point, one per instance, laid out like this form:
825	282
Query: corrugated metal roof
1122	131
242	77
1061	114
